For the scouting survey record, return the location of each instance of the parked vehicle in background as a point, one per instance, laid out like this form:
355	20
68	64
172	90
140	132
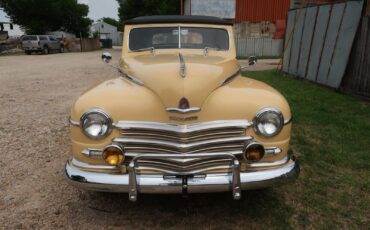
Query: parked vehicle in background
41	43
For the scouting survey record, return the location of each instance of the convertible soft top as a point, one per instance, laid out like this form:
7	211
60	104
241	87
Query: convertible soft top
178	19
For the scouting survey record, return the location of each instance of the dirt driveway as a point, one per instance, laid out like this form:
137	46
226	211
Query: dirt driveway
36	93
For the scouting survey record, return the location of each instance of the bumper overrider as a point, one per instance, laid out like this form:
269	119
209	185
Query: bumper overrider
182	182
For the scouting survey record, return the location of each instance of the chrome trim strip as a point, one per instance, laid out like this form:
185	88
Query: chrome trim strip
117	182
132	151
182	64
184	129
183	111
180	145
138	151
73	122
235	176
286	122
178	138
229	79
272	151
129	77
269	164
177	159
93	153
168	171
81	164
182	163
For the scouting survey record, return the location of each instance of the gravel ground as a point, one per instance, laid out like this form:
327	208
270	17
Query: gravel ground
36	93
262	64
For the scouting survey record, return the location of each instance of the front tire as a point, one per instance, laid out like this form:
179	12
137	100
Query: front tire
61	50
27	52
45	51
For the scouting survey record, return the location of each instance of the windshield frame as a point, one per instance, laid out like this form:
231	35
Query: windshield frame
179	37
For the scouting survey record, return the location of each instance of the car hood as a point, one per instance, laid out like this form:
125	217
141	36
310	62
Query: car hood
162	74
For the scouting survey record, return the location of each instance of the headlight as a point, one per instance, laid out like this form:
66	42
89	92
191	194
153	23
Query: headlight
268	122
96	123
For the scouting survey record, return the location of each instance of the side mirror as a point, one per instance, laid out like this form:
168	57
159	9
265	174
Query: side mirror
106	57
252	60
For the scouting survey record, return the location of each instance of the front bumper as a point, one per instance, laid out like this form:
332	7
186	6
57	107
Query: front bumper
186	183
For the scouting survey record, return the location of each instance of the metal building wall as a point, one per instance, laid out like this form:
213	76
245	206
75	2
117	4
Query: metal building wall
261	47
261	10
319	41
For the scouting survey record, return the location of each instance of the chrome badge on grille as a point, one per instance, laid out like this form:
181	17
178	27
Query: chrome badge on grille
192	118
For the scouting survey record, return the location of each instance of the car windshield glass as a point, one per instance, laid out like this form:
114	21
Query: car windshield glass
169	38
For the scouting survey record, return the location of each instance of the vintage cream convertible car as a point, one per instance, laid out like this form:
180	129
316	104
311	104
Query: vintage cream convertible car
181	118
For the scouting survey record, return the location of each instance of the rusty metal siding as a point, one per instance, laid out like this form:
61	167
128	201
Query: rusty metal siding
261	10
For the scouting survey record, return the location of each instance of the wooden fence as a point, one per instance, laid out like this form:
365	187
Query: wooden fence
357	77
319	41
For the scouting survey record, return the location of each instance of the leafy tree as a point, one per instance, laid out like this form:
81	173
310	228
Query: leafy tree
133	8
113	22
40	16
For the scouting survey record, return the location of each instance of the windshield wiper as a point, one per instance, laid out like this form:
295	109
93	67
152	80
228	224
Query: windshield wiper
207	49
151	48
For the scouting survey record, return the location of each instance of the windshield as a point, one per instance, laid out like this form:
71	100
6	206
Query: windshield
169	38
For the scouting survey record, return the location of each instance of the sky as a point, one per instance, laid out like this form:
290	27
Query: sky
98	9
101	8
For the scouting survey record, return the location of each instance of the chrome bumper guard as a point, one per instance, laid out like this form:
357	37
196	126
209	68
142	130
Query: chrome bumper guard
181	182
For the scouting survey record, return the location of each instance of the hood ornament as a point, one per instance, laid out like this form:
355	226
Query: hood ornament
184	103
184	107
182	66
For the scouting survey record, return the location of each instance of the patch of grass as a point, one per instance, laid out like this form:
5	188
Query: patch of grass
331	136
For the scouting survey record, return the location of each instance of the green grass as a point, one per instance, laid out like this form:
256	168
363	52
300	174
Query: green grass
331	137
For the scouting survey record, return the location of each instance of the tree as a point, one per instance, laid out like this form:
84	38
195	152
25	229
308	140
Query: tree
133	8
113	22
40	16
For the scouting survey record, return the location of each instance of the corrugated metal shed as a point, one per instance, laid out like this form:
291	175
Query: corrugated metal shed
261	10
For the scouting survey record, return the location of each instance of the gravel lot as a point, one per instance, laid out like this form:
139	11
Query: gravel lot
36	93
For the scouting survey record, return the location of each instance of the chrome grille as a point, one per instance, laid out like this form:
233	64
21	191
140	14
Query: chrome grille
158	138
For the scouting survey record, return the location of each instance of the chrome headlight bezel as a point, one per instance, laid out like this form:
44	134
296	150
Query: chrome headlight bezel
107	121
259	117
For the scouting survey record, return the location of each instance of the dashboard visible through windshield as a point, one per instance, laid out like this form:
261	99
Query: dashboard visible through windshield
152	38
